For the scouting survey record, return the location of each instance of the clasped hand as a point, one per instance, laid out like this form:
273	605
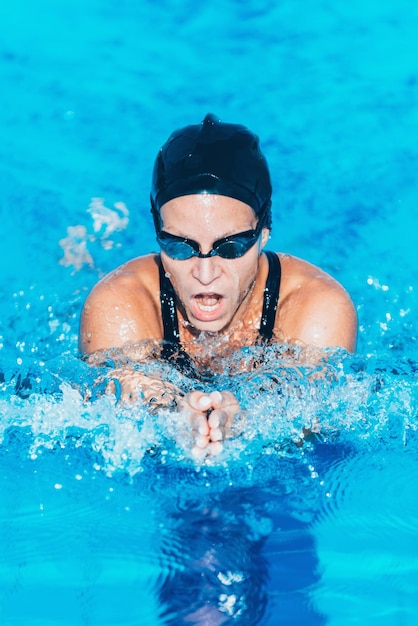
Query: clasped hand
212	419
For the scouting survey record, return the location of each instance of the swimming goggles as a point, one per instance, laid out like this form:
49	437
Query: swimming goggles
231	247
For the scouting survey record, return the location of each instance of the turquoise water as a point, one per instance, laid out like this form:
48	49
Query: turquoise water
103	519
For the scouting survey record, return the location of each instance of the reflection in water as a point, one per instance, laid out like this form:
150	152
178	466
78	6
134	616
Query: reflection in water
241	554
220	570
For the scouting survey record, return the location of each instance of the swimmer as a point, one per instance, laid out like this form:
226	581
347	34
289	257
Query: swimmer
213	287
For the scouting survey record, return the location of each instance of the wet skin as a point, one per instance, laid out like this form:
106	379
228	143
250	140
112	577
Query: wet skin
219	297
213	293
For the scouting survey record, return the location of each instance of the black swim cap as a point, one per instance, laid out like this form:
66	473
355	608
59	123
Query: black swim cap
212	157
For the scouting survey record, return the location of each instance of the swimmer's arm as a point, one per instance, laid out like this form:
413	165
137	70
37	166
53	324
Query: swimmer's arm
118	313
130	387
326	319
331	322
119	325
321	315
211	417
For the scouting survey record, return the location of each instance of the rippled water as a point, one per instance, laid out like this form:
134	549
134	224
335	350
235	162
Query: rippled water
101	506
104	517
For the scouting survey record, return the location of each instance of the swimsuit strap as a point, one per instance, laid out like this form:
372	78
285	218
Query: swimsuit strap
168	308
171	335
271	296
171	348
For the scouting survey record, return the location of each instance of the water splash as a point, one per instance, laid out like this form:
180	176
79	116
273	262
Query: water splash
288	407
78	243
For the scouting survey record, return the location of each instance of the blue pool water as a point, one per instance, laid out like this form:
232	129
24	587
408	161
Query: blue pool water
104	520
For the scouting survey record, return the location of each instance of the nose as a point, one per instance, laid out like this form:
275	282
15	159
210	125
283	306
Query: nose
206	270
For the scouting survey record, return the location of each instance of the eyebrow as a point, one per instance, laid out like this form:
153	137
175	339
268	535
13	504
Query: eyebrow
184	237
241	233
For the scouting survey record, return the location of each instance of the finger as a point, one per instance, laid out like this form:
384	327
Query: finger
201	441
199	424
214	448
216	434
199	400
204	402
220	421
219	418
114	387
215	419
223	399
199	453
216	399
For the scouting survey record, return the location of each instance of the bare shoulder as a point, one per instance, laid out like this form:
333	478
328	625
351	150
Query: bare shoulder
123	307
314	308
133	280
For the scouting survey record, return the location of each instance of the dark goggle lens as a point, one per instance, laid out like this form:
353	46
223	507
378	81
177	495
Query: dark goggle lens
178	250
182	250
234	249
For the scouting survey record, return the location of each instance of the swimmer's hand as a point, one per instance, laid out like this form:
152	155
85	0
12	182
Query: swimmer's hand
210	417
130	387
213	417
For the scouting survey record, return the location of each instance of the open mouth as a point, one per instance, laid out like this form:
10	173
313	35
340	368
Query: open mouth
208	302
207	306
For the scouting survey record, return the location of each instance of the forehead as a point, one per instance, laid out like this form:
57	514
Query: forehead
206	212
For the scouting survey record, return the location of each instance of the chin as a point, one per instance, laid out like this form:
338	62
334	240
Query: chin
209	327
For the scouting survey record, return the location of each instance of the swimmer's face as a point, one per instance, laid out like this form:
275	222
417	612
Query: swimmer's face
213	293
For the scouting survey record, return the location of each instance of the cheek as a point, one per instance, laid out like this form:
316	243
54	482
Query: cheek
235	275
177	271
170	266
244	273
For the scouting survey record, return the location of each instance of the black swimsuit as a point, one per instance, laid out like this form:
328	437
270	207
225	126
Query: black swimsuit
171	336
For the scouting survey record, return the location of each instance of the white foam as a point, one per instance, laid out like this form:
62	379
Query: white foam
358	401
